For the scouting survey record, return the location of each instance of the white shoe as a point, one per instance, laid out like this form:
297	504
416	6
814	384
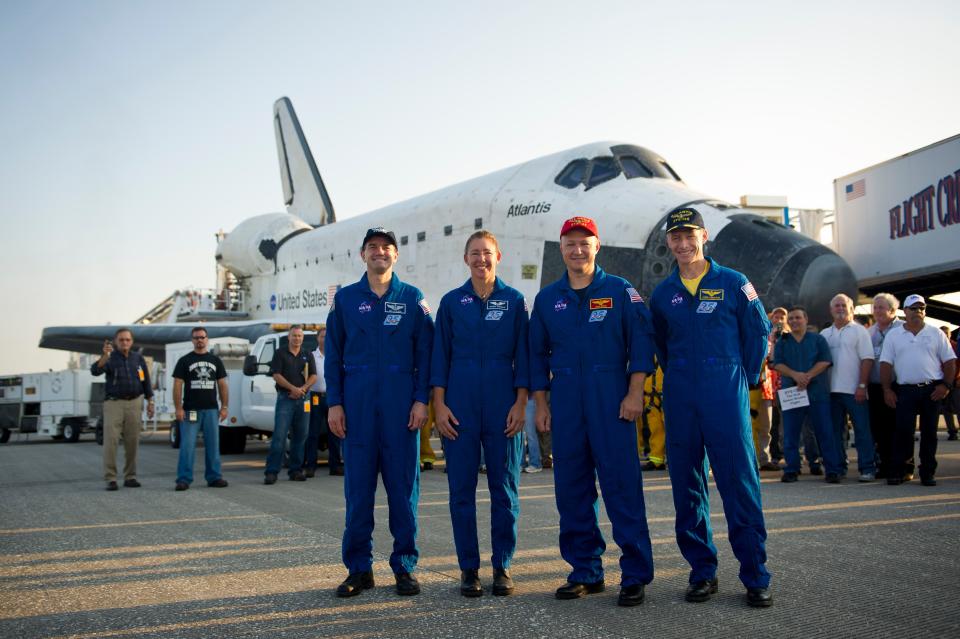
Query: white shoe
867	477
530	470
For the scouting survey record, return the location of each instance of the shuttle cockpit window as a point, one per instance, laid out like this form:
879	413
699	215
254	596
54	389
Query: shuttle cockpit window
572	175
602	169
634	168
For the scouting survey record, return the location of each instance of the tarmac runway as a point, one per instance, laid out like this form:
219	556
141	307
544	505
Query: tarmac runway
849	560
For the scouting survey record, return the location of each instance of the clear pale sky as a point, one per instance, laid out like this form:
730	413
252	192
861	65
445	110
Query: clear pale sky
131	131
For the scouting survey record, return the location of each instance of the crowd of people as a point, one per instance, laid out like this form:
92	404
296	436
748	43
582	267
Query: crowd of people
698	379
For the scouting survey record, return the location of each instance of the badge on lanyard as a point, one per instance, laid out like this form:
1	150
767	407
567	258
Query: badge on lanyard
140	373
316	400
192	416
306	406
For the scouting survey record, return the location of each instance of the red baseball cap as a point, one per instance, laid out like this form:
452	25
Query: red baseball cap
580	222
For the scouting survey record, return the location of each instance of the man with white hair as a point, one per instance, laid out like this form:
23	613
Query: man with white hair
925	367
852	360
883	419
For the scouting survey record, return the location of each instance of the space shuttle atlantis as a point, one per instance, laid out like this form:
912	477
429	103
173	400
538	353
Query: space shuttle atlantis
281	268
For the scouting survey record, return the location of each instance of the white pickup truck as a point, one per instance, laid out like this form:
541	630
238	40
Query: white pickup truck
252	391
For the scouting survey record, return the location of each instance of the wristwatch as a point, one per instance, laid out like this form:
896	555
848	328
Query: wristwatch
861	385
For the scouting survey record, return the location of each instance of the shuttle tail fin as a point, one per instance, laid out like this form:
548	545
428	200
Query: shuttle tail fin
303	191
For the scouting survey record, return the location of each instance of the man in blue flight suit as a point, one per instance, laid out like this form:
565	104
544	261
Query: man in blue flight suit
377	368
592	333
711	333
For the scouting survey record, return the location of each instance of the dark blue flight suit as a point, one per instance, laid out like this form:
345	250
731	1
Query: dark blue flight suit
711	346
591	346
377	364
480	357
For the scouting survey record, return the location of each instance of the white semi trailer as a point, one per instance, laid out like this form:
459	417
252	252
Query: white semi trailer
58	404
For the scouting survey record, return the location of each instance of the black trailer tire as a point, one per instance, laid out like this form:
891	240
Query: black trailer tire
71	431
233	440
99	432
4	435
174	434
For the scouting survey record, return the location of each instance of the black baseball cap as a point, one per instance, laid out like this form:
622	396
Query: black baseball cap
382	232
685	218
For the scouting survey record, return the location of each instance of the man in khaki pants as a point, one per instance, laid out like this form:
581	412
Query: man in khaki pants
128	382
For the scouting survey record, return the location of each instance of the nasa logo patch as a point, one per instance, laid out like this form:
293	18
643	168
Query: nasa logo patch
392	320
466	299
676	300
364	307
494	315
598	316
707	307
560	305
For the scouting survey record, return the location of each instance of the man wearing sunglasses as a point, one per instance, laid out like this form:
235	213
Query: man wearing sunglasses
920	357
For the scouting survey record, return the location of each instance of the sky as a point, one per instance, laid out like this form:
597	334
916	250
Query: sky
133	130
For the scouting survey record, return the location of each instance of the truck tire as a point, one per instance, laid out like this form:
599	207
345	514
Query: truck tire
71	431
4	435
99	432
174	434
233	441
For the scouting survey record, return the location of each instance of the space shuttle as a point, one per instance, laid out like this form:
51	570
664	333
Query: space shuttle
281	268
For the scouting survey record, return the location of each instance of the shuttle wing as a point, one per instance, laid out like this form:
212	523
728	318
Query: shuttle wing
151	338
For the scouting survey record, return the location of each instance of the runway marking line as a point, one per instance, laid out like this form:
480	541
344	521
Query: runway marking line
121	524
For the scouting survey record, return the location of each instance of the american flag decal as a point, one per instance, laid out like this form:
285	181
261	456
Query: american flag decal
634	296
856	189
332	291
749	291
425	307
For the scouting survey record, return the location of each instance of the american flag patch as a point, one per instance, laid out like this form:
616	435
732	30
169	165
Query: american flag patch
425	307
749	291
634	296
856	189
332	291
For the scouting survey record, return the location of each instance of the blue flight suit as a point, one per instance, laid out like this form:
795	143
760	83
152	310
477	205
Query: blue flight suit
591	347
377	364
480	357
711	346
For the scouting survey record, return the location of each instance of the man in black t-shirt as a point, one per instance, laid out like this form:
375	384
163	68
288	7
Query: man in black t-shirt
197	377
294	371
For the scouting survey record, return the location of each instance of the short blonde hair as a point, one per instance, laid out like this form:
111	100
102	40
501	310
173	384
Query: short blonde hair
482	234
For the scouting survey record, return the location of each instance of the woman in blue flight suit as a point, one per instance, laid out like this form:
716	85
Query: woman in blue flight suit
479	373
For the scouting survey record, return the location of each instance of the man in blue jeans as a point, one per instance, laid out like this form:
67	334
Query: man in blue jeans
197	377
852	353
802	359
294	371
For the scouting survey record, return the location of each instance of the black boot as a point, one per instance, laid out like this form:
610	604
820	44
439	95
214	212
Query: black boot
502	583
355	583
470	583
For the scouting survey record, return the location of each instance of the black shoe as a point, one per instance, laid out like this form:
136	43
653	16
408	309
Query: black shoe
269	478
816	470
407	584
502	583
297	476
310	473
112	485
218	483
630	595
832	478
650	465
336	471
701	590
182	485
574	590
894	481
469	583
759	597
770	466
952	437
788	478
547	463
355	583
928	481
426	466
131	483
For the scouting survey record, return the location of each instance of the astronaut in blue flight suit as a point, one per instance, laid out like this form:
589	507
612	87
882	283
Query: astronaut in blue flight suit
377	368
592	333
479	374
711	334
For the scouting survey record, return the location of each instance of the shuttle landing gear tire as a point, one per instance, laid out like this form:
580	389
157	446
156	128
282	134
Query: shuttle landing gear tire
233	441
175	435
